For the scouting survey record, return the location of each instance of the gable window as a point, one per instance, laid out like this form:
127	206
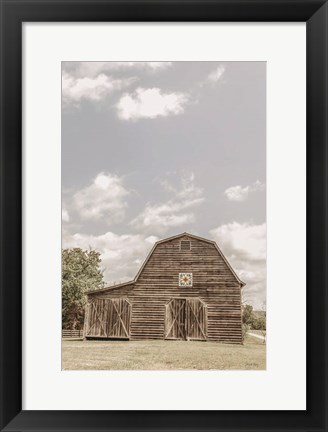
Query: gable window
185	245
185	279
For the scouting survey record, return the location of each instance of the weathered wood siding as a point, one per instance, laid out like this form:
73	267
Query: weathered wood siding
108	318
213	283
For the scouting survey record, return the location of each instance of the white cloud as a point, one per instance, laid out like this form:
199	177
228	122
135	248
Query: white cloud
176	211
158	66
244	245
150	103
103	199
163	216
243	239
74	90
65	215
240	193
92	69
186	184
122	255
216	74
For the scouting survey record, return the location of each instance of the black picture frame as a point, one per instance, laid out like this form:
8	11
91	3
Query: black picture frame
13	14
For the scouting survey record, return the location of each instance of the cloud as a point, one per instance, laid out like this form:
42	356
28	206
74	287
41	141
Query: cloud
239	193
245	240
216	74
244	245
92	69
103	199
74	90
150	103
176	211
163	216
122	255
158	66
65	215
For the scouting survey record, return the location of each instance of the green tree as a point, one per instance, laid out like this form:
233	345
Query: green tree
259	323
248	315
81	272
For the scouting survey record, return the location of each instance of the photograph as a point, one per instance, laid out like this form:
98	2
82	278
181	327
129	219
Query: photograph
163	187
169	160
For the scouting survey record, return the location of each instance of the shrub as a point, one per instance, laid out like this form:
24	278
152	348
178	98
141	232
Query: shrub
259	323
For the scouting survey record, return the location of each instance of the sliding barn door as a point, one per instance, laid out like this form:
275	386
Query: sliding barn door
186	319
108	318
196	319
175	322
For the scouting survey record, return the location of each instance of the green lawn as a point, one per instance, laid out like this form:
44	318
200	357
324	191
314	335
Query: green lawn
162	355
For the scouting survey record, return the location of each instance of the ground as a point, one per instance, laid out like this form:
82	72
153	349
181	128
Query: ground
258	332
162	355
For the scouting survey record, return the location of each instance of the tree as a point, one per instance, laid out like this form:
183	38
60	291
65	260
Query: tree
259	323
248	315
81	272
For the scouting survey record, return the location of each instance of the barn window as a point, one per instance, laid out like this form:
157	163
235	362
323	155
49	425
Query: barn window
185	279
185	245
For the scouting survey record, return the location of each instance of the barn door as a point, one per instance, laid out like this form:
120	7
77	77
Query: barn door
175	322
186	319
196	319
119	314
108	318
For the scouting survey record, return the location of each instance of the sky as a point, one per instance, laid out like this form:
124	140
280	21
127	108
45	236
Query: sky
154	149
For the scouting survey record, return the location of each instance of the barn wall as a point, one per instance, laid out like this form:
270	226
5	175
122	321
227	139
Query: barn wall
213	283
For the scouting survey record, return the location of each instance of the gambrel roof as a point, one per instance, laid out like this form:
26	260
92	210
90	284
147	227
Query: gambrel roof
185	234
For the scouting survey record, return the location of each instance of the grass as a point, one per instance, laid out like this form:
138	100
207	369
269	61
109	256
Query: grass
162	355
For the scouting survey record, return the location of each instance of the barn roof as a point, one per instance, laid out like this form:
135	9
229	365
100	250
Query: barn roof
150	254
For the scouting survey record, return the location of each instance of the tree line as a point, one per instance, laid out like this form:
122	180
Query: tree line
253	320
81	272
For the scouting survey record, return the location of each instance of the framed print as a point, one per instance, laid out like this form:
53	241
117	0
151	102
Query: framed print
163	217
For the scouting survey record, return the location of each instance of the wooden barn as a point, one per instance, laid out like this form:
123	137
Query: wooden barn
186	289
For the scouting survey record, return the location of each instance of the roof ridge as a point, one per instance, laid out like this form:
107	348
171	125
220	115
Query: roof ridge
182	234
